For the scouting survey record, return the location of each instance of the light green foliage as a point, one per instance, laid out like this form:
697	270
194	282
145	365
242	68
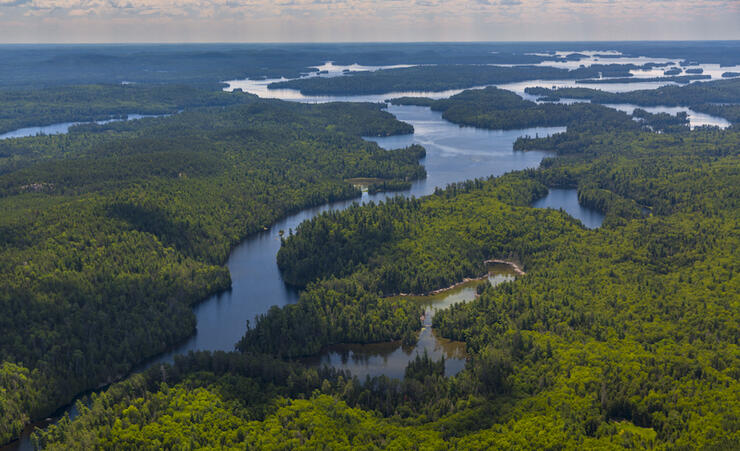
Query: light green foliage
16	396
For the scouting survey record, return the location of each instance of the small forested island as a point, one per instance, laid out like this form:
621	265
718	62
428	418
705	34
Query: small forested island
620	335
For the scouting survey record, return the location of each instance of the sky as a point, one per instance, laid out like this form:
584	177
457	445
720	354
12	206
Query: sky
66	21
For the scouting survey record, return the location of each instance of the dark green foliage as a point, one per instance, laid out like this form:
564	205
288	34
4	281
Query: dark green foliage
424	366
729	111
663	122
620	337
692	94
334	311
413	101
388	185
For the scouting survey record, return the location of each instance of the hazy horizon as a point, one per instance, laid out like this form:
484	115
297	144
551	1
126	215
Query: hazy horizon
328	21
551	41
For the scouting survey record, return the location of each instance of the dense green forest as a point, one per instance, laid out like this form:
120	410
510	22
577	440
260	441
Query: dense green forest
38	107
439	78
110	233
623	336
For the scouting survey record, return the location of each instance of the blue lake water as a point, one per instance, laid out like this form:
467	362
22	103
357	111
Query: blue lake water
567	200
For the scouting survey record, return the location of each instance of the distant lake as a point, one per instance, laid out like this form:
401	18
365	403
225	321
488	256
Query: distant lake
63	127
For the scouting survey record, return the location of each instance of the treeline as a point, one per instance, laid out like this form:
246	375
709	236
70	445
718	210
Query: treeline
440	78
109	234
332	312
230	399
664	122
207	65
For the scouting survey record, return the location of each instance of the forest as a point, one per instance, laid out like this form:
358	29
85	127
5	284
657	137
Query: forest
205	65
110	233
621	337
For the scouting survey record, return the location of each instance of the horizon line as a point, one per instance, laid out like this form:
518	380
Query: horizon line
361	42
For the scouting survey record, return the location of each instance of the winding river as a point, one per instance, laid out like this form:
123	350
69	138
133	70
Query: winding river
454	154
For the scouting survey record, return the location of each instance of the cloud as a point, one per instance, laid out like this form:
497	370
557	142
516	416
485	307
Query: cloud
12	2
388	19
